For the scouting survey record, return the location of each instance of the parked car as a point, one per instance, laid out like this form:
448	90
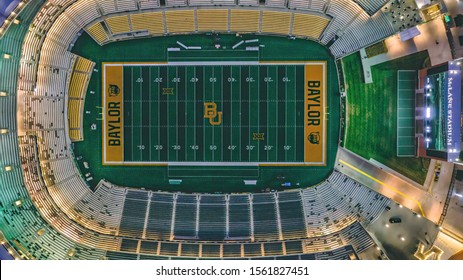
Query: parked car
395	220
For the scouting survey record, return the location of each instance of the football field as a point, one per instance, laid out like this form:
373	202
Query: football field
214	113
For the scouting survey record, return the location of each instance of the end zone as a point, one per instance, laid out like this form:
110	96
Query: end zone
314	117
113	117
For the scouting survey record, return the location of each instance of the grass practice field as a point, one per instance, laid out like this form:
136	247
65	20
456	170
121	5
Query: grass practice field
211	172
215	113
372	113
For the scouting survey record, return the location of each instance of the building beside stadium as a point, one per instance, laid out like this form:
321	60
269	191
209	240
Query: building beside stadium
440	116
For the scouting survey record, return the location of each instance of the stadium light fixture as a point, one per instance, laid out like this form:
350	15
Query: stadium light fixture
428	112
71	252
402	238
386	225
459	195
419	216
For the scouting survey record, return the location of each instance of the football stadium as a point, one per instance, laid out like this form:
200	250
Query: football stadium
231	130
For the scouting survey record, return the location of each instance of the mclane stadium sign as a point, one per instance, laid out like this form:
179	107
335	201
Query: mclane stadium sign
453	109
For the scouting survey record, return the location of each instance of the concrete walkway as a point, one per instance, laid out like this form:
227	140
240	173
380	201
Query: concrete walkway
428	203
433	39
453	219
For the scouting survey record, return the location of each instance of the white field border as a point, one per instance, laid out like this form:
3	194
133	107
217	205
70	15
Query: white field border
203	163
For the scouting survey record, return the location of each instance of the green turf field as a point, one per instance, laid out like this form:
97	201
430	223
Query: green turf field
372	113
256	113
207	178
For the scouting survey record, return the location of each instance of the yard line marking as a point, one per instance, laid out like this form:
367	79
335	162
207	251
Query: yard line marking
141	114
185	117
258	112
186	114
159	113
168	117
286	113
176	118
132	117
204	120
149	110
194	110
268	118
239	105
276	115
249	116
221	67
231	115
213	99
295	114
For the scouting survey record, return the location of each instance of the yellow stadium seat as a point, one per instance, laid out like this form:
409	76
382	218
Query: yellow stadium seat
244	20
212	20
74	113
118	24
276	22
77	88
306	25
153	22
180	21
97	32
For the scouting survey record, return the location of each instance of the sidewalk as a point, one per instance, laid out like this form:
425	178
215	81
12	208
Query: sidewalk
430	204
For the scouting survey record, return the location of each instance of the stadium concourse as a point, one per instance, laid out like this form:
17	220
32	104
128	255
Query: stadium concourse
59	200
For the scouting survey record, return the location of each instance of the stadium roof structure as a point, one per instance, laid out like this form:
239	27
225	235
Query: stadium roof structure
48	210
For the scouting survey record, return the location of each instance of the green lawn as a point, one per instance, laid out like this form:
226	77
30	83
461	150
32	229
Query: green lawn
376	49
372	113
